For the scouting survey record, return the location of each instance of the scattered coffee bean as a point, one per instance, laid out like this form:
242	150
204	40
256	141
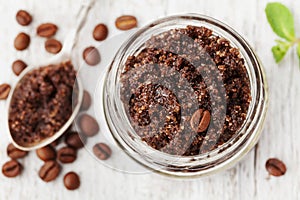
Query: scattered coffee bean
18	66
200	120
46	153
88	125
71	181
73	139
15	153
275	167
49	171
58	140
4	91
55	142
53	46
66	155
23	17
22	41
86	101
126	22
12	168
46	30
100	32
91	56
102	151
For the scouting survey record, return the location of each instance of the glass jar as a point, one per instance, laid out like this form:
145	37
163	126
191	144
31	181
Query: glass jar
213	161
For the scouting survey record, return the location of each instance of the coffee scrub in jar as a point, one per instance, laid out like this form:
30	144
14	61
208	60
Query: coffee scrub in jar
186	96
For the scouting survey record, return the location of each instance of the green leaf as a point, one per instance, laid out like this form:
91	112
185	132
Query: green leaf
280	50
298	52
281	20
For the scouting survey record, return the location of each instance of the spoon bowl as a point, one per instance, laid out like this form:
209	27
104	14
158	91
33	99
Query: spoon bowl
63	129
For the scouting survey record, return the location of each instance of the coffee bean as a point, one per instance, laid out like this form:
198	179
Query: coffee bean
102	151
55	142
86	101
66	155
200	120
88	125
275	167
91	56
18	66
53	46
23	17
46	153
58	140
12	168
49	171
100	32
46	30
15	153
126	22
22	41
71	181
74	140
4	91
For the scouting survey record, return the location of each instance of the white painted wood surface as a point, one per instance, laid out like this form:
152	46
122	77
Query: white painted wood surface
247	180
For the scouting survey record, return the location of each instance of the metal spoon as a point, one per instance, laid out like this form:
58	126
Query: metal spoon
64	54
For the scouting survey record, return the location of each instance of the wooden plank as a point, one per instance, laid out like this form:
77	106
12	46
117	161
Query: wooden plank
280	138
247	180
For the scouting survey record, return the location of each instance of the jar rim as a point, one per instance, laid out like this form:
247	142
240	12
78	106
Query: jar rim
203	163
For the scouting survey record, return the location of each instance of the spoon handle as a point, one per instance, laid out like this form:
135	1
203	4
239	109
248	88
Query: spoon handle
72	36
81	18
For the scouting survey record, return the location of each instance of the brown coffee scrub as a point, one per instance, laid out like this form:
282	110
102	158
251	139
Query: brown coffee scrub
186	92
42	103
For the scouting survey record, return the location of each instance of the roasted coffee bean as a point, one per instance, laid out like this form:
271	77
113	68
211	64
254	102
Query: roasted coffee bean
46	30
49	171
73	139
23	17
100	32
4	91
66	155
22	41
15	153
12	168
58	140
275	167
91	56
18	66
126	22
200	120
102	151
46	153
86	101
53	46
88	125
55	142
71	181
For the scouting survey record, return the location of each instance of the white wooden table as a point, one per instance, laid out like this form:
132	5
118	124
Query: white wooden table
247	180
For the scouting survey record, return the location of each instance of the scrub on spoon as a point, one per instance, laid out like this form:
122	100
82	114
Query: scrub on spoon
64	55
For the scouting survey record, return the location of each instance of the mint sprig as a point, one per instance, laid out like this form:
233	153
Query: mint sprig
298	51
280	50
282	22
